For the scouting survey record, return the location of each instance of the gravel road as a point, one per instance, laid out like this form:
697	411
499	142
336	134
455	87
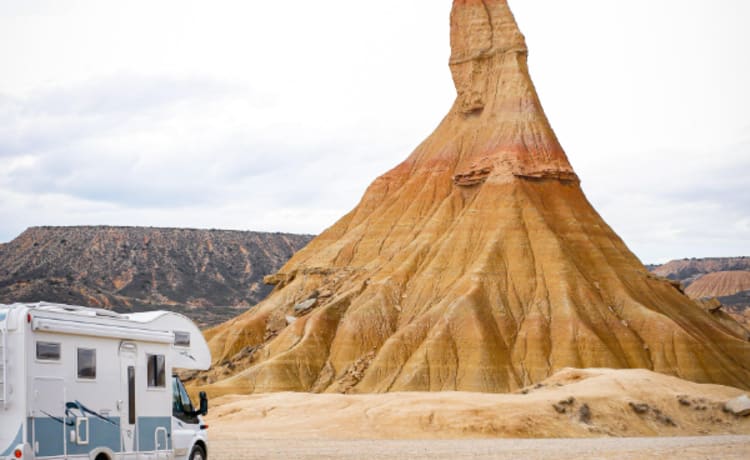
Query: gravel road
682	448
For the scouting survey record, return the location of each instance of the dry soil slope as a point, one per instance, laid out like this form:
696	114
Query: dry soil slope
719	284
571	404
206	273
477	264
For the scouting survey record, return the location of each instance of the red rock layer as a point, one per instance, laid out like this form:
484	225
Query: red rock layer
477	264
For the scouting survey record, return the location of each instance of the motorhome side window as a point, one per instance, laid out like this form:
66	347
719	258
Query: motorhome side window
86	363
48	351
156	371
181	339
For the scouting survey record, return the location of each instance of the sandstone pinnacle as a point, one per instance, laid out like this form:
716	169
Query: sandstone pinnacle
477	264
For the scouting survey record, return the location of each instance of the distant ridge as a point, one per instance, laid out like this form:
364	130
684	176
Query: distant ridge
210	275
725	278
720	284
689	270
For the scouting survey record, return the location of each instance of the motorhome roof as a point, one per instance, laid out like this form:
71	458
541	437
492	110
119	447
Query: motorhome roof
156	326
83	311
90	312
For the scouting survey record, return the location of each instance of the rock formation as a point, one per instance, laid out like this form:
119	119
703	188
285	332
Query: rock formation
689	270
719	284
477	264
727	291
210	275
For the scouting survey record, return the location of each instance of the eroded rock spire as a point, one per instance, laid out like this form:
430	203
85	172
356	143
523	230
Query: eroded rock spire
480	30
497	128
477	264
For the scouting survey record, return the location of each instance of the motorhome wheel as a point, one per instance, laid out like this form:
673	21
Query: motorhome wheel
197	453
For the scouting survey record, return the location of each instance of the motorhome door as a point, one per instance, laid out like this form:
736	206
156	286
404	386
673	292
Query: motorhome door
127	403
48	422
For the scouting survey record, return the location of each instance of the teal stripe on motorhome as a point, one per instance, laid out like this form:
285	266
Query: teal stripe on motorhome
16	441
146	430
49	435
102	434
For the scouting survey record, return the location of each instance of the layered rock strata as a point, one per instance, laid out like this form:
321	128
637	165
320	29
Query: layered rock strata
688	271
477	264
719	284
210	275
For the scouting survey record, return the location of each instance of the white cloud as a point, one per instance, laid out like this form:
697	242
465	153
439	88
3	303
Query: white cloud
276	115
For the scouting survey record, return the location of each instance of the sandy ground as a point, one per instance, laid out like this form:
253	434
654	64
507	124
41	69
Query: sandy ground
571	404
591	413
708	447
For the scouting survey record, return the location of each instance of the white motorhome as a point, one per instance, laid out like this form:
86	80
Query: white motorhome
84	383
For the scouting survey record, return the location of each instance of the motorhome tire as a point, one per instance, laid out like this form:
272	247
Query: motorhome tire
102	457
197	453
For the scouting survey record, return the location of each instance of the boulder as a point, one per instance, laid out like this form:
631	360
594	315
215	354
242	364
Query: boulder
739	406
302	307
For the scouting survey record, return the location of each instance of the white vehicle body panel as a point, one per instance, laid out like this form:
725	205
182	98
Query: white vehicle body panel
78	382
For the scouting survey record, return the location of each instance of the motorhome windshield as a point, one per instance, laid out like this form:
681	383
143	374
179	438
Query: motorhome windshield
182	406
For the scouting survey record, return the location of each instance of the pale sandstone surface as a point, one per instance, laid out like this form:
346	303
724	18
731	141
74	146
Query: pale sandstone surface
743	318
702	448
571	404
719	284
476	265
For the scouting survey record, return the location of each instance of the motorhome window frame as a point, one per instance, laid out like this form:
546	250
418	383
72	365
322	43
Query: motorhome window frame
132	395
157	387
180	342
178	389
47	360
78	370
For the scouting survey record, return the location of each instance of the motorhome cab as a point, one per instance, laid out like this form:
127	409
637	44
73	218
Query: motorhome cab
83	383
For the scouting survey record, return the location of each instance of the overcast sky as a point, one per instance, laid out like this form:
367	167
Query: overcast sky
275	116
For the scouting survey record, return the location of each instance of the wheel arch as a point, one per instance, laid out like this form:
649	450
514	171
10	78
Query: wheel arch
102	453
202	444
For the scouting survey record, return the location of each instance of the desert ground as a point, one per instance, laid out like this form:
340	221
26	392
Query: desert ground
592	413
682	448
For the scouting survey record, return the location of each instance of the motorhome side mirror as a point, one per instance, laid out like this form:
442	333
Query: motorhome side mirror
204	403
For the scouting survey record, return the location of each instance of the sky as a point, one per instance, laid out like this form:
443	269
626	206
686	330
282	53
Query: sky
276	116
